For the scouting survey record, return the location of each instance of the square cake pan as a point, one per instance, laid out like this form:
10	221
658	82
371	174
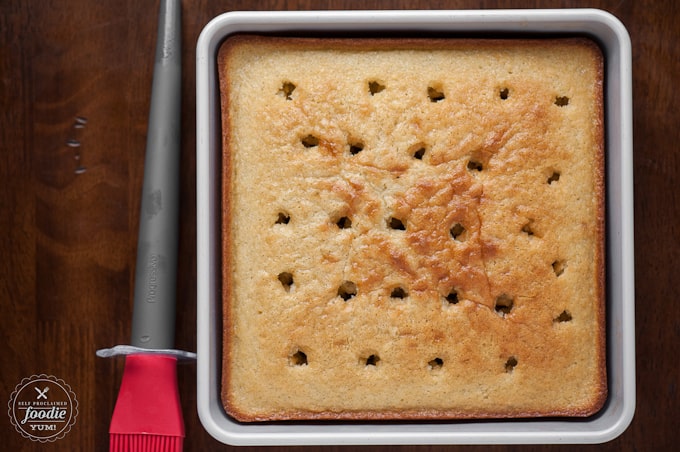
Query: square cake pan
614	40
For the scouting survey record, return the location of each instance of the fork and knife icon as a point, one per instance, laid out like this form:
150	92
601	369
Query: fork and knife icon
42	394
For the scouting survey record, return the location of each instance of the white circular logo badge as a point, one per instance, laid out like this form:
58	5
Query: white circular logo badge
43	408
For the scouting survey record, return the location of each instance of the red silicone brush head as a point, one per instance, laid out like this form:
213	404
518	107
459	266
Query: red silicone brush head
147	443
148	414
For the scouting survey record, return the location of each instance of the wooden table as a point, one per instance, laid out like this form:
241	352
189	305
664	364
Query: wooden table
81	70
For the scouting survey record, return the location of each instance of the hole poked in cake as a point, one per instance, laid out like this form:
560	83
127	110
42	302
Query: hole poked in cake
286	280
435	364
355	147
504	93
565	316
343	222
299	358
559	266
282	218
417	151
347	290
452	297
435	93
310	141
475	165
370	360
478	160
287	89
458	232
529	228
503	305
554	177
396	223
510	364
561	101
398	293
375	87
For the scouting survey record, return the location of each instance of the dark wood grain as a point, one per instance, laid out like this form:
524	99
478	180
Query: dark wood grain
68	215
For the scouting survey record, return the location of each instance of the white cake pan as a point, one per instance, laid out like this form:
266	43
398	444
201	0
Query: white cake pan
617	413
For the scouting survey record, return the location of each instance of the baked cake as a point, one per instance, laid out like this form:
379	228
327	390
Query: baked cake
412	228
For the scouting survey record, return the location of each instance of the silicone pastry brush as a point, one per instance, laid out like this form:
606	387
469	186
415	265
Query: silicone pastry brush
148	414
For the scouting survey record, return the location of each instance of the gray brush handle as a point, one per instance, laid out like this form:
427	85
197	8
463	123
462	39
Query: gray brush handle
153	320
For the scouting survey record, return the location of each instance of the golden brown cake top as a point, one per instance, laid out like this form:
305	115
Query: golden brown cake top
412	228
